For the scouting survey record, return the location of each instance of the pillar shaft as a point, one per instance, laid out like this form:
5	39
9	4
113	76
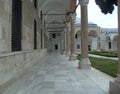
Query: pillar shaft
72	37
119	36
67	41
115	86
42	38
84	32
84	63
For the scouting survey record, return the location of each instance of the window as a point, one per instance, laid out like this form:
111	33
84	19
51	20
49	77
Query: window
99	44
16	25
41	39
56	46
54	36
35	3
41	14
35	34
109	45
89	47
76	36
78	46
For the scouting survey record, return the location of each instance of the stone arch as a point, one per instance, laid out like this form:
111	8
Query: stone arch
78	40
92	43
92	33
108	45
78	33
108	38
115	43
50	3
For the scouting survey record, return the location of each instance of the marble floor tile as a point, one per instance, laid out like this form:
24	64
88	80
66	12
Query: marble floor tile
55	74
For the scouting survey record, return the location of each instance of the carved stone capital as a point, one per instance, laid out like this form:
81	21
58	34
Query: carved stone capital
68	25
83	2
73	16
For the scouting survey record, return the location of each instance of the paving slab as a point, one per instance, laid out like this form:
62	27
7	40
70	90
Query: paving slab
55	74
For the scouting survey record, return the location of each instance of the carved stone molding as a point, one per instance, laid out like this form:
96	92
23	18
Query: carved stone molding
83	2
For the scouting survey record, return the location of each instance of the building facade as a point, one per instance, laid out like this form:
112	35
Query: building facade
109	39
99	39
94	33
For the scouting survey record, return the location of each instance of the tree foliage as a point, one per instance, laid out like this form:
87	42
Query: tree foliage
106	6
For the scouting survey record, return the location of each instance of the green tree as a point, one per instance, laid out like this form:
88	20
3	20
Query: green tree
106	6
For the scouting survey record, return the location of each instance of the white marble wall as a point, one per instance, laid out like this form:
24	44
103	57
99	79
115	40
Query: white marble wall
5	25
13	65
93	41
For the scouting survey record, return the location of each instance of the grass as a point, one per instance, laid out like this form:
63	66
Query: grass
107	66
107	54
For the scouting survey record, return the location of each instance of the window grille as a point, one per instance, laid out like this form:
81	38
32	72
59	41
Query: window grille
16	25
35	34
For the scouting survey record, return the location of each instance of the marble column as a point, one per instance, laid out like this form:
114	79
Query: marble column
119	37
72	37
84	63
62	43
67	40
115	86
43	36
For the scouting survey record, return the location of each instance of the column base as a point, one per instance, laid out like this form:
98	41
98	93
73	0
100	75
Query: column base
115	86
67	54
72	57
84	63
62	52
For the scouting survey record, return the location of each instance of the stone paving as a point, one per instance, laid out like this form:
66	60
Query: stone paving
55	74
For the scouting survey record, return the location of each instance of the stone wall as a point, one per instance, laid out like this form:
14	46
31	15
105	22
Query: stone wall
13	64
5	26
29	14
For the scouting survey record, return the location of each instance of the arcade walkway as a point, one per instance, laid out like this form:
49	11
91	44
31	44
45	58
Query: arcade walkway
54	74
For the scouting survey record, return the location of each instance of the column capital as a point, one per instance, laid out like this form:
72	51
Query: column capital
73	16
83	2
68	24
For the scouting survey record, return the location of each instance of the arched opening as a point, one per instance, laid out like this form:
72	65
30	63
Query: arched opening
115	43
56	46
108	43
76	35
78	41
93	41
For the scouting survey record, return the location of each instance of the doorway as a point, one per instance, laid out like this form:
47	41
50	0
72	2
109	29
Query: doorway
89	47
56	46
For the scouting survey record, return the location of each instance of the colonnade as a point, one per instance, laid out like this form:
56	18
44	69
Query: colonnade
84	63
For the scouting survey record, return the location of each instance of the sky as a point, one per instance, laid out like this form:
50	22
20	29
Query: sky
96	16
